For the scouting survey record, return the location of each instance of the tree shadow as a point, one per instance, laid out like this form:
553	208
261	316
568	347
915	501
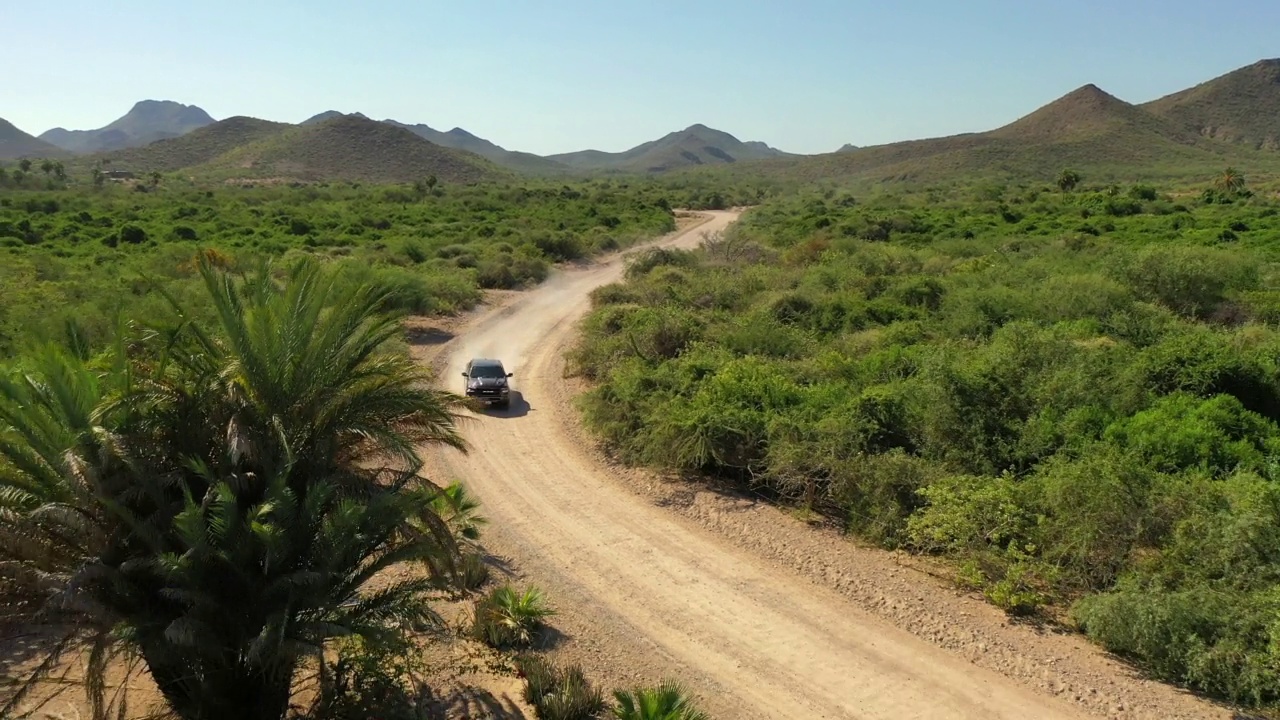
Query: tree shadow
21	648
427	336
518	407
473	702
503	565
550	638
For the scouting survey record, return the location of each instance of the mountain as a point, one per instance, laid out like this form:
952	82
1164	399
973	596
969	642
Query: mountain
847	147
147	122
329	115
352	148
16	144
695	145
460	139
196	147
1087	130
1089	114
1240	107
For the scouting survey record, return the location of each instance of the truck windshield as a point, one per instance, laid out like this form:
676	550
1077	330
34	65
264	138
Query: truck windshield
487	371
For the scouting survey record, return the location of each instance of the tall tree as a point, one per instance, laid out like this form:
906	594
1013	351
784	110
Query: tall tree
24	165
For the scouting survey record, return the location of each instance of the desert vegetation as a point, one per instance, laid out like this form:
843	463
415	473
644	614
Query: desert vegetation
84	253
1067	391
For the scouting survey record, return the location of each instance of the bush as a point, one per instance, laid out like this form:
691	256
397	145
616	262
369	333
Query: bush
509	618
1215	642
132	235
558	693
644	262
363	683
668	701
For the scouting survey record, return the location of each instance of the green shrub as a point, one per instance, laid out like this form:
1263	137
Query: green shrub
360	684
559	693
667	701
507	617
1216	642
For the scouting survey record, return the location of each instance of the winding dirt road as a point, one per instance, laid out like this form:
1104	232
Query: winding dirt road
649	587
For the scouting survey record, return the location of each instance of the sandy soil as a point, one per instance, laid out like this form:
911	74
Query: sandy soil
760	614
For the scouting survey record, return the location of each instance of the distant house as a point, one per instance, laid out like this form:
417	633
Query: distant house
117	174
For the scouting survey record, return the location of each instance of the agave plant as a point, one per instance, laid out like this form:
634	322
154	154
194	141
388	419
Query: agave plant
668	701
219	499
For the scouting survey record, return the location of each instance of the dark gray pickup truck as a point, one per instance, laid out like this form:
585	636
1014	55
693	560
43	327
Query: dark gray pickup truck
487	382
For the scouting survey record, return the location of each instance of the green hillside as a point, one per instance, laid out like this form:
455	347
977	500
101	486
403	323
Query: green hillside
696	145
1241	107
195	148
460	139
15	144
1086	130
349	148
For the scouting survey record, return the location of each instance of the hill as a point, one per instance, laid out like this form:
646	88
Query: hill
328	115
16	144
1089	114
195	148
1087	130
693	146
147	122
1240	107
460	139
349	148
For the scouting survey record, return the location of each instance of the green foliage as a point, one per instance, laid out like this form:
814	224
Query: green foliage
87	253
558	693
1073	417
364	682
668	701
507	617
216	496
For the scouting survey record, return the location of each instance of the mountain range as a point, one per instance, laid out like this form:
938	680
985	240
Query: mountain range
1234	118
147	122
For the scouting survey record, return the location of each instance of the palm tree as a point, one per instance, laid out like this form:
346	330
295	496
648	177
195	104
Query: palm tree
668	701
1068	180
1230	181
218	499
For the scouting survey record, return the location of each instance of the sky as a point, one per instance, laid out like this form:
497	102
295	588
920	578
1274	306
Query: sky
545	77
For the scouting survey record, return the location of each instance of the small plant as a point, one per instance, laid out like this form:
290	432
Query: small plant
369	681
472	573
509	618
668	701
559	693
460	511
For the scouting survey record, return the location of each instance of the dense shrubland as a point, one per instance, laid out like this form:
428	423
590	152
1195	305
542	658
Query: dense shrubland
1073	395
84	252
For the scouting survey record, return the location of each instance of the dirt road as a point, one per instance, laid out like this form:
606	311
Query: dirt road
647	592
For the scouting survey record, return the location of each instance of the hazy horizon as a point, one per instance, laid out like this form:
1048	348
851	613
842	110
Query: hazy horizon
806	78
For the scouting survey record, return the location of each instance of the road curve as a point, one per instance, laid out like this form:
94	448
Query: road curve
751	637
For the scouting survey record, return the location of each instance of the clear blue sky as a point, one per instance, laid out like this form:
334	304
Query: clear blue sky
543	76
